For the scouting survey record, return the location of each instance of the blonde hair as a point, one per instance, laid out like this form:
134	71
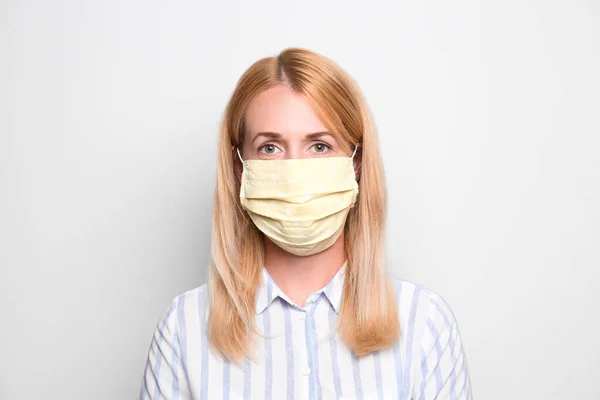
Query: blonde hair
368	317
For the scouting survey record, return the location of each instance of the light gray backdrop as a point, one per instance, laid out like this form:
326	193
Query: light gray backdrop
489	120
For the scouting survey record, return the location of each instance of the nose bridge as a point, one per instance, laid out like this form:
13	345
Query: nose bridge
295	149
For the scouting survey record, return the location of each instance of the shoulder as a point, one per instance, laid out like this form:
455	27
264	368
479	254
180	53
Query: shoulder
188	307
421	309
418	298
431	340
197	295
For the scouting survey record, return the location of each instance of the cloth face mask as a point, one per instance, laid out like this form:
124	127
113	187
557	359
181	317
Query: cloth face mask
300	204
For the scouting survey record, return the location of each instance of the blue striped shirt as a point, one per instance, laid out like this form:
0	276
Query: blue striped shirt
301	356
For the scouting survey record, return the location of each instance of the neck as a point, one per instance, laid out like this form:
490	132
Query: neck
299	276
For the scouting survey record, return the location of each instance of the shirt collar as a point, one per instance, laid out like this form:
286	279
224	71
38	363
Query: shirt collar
268	291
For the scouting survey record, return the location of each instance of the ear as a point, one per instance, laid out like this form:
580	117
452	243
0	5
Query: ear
238	167
358	162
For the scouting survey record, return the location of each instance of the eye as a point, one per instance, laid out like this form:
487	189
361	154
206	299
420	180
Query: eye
268	148
321	148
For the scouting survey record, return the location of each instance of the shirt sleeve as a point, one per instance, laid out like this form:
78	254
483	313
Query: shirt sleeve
443	370
164	375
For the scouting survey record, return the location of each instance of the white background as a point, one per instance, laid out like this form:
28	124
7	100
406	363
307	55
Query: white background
489	118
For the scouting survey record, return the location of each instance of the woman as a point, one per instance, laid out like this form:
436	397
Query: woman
299	304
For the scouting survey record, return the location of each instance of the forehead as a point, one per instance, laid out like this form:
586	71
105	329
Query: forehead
282	110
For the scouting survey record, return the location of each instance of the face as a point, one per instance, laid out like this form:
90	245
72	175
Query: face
281	124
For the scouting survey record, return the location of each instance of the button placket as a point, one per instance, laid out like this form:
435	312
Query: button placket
310	337
306	369
302	360
306	373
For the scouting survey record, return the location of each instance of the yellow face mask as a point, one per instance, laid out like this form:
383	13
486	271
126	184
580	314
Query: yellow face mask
300	204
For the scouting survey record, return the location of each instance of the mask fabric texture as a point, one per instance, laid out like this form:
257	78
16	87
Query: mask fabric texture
300	204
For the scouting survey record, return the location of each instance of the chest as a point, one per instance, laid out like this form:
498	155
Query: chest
299	355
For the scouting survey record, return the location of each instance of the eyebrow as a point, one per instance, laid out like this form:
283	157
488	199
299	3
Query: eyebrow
269	135
317	135
275	135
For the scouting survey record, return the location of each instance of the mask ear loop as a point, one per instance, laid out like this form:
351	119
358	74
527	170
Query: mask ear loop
239	155
352	159
354	153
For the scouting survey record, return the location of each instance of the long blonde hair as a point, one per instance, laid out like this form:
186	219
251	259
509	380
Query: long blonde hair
368	317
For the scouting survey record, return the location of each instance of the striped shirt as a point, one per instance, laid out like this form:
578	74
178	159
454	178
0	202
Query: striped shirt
301	356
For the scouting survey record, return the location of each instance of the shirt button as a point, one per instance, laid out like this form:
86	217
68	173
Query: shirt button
306	371
302	317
